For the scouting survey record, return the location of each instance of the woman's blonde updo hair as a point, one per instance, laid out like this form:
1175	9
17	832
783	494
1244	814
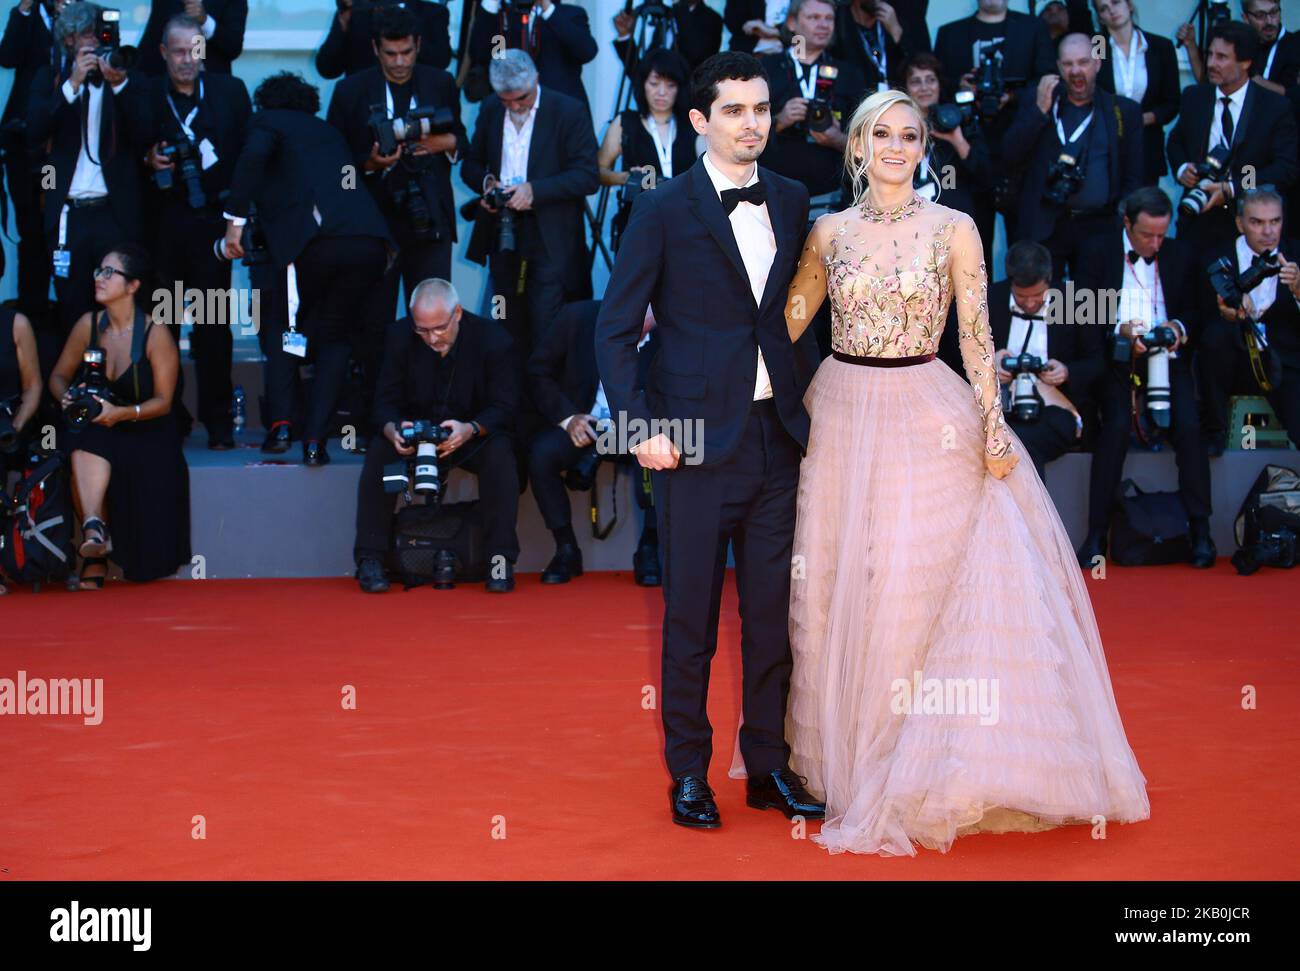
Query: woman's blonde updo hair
860	125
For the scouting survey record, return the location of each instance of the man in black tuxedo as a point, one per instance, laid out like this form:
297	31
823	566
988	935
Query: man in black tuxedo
694	30
1101	132
575	411
348	47
1228	113
878	37
713	250
92	119
1224	360
222	23
557	37
1277	62
1024	318
450	367
538	144
1149	275
203	116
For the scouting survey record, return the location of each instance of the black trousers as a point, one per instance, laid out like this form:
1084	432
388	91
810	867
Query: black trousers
551	453
1113	437
748	500
1224	369
534	295
33	257
280	373
1048	438
91	231
1072	231
491	459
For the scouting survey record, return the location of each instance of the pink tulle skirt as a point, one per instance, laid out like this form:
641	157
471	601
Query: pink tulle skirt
948	673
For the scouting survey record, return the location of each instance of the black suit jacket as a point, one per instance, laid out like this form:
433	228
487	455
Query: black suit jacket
1027	53
26	47
697	34
1281	320
1286	63
563	43
484	385
293	162
679	254
848	45
561	168
793	153
1080	348
1160	98
345	52
222	119
349	112
226	43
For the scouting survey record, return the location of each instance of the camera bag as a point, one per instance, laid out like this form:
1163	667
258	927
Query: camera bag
36	526
1149	528
1273	502
424	530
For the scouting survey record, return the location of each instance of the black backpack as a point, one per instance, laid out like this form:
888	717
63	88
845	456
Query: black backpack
1149	528
424	531
36	525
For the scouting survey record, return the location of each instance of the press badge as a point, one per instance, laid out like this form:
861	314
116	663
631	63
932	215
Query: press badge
207	155
62	263
294	343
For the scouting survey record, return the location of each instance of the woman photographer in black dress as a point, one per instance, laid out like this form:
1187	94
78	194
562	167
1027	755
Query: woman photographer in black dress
127	464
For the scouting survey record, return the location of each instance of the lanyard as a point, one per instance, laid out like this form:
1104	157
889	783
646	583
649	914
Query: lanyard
189	119
807	85
1157	295
1268	65
1126	78
388	97
1060	129
881	59
665	152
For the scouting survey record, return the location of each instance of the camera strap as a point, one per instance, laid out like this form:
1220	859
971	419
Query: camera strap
388	98
598	531
1060	129
1254	346
665	152
188	120
808	85
876	52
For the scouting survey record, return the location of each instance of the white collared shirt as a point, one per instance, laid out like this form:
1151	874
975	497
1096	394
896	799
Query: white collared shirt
1131	70
752	227
1265	294
1236	101
775	16
515	144
1142	295
1037	330
88	176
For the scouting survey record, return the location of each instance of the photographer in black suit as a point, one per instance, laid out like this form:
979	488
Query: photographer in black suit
331	242
693	29
878	37
221	22
1082	153
1260	337
1024	319
567	389
349	46
197	123
1149	273
537	145
555	35
1248	130
1277	62
452	368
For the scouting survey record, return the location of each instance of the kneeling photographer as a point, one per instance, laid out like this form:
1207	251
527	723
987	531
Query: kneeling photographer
448	380
1251	321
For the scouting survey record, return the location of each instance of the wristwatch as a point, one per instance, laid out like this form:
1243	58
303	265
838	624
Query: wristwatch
478	429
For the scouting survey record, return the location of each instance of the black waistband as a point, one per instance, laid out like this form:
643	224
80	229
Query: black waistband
882	361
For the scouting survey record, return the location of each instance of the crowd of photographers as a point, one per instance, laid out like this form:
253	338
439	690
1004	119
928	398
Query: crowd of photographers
132	174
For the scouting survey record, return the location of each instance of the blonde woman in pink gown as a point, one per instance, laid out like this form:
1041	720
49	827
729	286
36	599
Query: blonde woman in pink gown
948	673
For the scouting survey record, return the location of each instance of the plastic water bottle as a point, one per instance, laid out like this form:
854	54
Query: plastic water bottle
237	408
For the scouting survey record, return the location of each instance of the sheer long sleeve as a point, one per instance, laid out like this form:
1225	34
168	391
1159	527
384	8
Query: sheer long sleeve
808	288
970	291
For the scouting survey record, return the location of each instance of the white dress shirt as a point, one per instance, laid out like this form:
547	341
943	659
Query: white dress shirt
752	227
515	144
1264	295
88	176
1142	295
776	12
1036	329
1236	101
1130	67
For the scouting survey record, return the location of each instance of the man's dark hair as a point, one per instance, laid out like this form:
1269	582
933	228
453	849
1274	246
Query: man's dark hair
1028	263
394	23
1149	200
1241	36
723	66
289	91
667	64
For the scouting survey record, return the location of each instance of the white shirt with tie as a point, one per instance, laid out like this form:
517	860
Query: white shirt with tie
88	176
1035	329
752	227
1142	295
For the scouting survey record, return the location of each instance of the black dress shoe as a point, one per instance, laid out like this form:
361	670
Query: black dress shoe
564	566
502	584
221	439
370	576
1093	546
314	454
645	566
785	791
277	440
692	802
1203	550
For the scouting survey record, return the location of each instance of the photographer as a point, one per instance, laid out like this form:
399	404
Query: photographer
452	368
330	242
127	465
1277	61
1230	135
692	29
1150	274
567	389
1259	337
349	46
197	120
20	388
878	37
556	37
92	118
221	23
536	147
755	25
1082	151
812	97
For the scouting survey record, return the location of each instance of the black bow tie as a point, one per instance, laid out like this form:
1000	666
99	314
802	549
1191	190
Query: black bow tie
1133	257
1259	258
755	194
1024	316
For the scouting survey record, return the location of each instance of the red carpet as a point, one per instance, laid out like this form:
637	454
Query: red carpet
222	699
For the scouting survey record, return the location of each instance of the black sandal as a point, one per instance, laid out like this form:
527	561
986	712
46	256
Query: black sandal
92	583
102	544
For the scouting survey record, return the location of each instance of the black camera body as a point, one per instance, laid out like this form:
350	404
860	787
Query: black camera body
185	156
496	197
991	84
108	43
394	133
950	117
1160	336
419	473
1064	179
1024	368
1213	167
423	432
252	238
1231	287
82	407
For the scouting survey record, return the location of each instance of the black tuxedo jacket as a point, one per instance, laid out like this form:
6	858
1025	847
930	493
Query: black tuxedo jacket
123	141
1080	348
349	112
1281	320
561	168
563	43
1160	98
697	35
345	52
1027	53
483	385
26	47
847	44
1286	63
679	254
292	163
222	119
226	43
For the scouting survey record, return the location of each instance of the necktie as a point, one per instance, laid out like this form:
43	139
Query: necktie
1133	257
755	194
1024	316
1227	120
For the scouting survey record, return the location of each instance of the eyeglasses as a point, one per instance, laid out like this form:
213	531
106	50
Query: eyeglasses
106	273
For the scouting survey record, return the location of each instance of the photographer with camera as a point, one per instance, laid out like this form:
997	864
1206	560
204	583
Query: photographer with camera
755	25
197	120
1231	135
349	46
691	28
1047	368
879	36
1277	63
221	22
116	380
92	119
1250	340
556	37
533	158
330	242
449	381
1086	154
567	388
1148	347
